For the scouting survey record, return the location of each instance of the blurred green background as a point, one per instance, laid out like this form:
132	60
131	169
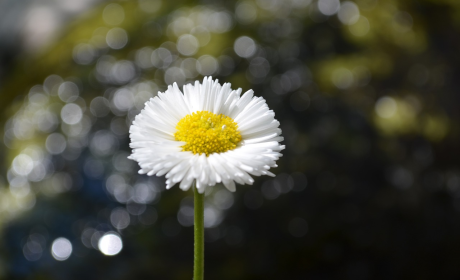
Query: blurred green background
367	95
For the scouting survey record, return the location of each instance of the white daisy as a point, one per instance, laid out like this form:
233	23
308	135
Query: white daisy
209	133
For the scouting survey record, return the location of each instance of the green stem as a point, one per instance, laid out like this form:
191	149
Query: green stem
198	267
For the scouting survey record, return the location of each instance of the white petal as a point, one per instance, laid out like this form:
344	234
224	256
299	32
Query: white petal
230	185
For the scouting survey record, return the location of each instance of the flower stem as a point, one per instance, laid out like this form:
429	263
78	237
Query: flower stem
198	267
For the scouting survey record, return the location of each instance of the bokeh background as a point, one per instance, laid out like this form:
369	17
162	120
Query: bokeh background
367	95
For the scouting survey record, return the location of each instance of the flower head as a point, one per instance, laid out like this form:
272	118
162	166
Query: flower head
208	133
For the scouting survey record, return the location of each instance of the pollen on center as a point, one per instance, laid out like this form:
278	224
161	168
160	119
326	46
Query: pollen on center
208	133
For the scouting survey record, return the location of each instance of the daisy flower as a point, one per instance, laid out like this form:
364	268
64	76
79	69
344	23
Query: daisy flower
208	133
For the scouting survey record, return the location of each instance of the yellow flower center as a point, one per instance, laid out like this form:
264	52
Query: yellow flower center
206	132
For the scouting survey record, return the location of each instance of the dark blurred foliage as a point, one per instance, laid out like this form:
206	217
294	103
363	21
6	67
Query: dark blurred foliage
367	96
